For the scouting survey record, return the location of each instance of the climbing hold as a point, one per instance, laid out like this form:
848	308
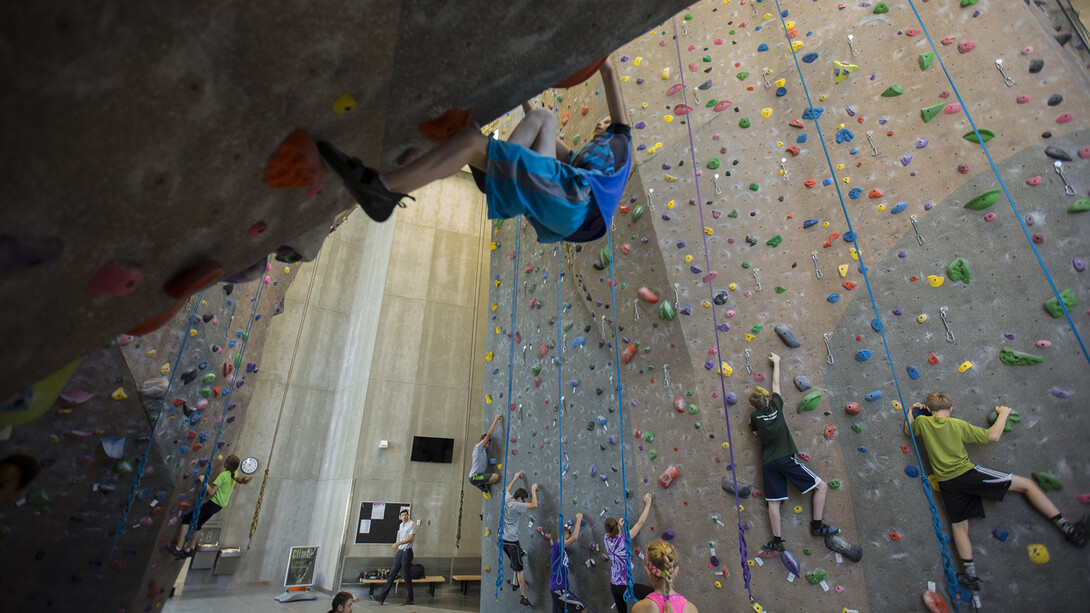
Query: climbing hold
983	200
852	408
1078	264
1010	357
810	401
787	336
1053	306
813	112
840	72
629	353
1038	554
1058	154
1048	480
925	60
958	270
119	394
713	163
344	104
766	112
744	123
913	372
817	576
929	113
810	57
116	278
668	476
833	298
862	355
1013	418
875	395
1079	206
1000	535
296	163
985	135
830	432
893	90
966	46
965	366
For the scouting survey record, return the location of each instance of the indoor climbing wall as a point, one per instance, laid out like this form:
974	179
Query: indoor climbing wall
121	447
781	152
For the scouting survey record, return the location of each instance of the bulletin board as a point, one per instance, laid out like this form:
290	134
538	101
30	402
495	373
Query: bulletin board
378	522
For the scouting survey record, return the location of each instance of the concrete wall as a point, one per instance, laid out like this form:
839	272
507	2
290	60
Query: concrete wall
375	343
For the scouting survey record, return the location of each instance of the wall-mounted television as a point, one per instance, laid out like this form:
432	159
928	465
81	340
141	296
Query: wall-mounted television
431	449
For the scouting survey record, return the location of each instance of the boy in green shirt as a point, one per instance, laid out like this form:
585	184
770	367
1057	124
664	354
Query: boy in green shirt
964	485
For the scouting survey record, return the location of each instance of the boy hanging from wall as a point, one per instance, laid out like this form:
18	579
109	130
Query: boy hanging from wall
964	485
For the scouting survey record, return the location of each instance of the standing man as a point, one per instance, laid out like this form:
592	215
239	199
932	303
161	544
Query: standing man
516	505
403	560
479	472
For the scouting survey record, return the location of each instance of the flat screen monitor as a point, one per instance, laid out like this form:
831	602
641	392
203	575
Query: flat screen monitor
430	449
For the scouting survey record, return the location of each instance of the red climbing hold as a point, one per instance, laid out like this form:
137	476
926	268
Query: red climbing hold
1034	181
893	536
830	431
874	193
584	110
629	353
849	285
679	404
852	408
793	150
934	602
156	322
809	183
832	237
441	128
795	123
667	477
543	351
675	89
564	118
193	279
582	75
647	295
932	359
296	163
116	278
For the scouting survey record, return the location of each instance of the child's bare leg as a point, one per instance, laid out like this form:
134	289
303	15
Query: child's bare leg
961	539
819	500
537	131
468	146
1035	495
774	516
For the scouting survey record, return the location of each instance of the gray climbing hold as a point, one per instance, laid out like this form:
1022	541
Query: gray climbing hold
744	489
1055	99
1035	66
154	388
787	336
1058	154
802	383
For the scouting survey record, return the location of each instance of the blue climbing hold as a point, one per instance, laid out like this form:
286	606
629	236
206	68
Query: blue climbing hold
601	422
762	47
202	365
574	383
876	324
875	395
833	298
826	181
783	13
578	342
899	208
781	91
810	57
758	28
854	193
913	372
912	471
813	112
862	269
853	150
1000	535
862	449
862	355
849	237
801	139
844	135
808	223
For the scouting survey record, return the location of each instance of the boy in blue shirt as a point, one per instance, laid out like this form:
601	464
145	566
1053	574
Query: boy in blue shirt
563	600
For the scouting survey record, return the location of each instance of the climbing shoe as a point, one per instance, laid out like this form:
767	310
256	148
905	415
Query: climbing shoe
773	546
970	582
174	551
1076	533
362	182
487	495
525	602
823	529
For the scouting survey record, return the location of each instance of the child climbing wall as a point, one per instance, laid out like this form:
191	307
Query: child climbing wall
733	242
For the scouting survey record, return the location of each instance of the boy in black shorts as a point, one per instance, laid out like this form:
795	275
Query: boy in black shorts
779	464
964	484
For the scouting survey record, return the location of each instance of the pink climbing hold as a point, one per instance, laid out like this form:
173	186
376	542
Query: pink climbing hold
722	106
675	89
719	41
1083	498
718	136
963	168
758	376
1066	117
314	189
543	351
710	276
1084	152
693	68
944	94
948	40
1022	99
1038	238
116	278
989	217
913	31
730	313
682	109
257	229
662	43
75	397
1027	50
1044	344
124	339
691	47
952	108
966	46
1035	181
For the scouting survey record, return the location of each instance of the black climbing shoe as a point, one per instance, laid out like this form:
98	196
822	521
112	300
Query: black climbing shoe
514	587
1076	533
177	553
362	182
773	546
525	602
824	530
969	581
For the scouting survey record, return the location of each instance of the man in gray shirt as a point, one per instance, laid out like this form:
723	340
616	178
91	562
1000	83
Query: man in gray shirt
479	472
514	506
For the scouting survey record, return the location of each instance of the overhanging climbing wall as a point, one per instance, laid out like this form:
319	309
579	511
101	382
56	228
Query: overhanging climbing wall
763	244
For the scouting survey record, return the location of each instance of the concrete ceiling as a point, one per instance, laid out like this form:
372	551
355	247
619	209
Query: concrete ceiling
140	131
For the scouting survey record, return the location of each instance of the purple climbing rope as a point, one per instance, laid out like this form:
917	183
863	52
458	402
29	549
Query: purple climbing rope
722	378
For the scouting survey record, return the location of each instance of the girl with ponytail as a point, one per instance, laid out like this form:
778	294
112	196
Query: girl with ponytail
662	569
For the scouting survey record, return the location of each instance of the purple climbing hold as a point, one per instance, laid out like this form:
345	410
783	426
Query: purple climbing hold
681	244
695	270
731	398
906	160
1009	336
668	535
927	205
921	142
687	310
897	311
1079	264
641	125
902	254
1059	393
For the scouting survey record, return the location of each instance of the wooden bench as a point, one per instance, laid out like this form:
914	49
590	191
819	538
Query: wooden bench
370	583
466	580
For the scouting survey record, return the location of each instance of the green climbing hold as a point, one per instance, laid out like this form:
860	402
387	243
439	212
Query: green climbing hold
693	409
857	428
206	391
743	123
535	370
124	466
807	551
1053	305
560	97
754	187
958	270
689	16
774	241
1048	480
1014	417
605	257
928	113
925	61
984	200
575	139
756	329
649	436
742	75
713	163
987	135
733	214
881	8
666	311
637	212
1080	206
568	325
731	32
810	401
707	58
711	103
817	576
965	3
834	484
745	263
696	425
893	90
208	379
780	289
652	454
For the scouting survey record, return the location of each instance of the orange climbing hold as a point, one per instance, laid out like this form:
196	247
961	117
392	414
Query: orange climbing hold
832	237
564	119
934	603
874	193
647	295
584	110
156	322
629	353
295	163
932	359
849	285
582	75
793	150
192	279
904	448
441	128
809	183
795	123
893	536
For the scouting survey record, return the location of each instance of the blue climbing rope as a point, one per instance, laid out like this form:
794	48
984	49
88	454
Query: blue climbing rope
507	420
1010	199
742	549
142	465
226	405
948	568
628	595
558	570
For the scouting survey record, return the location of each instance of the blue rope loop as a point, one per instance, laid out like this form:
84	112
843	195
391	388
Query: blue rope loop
558	570
951	580
151	439
507	417
223	414
742	549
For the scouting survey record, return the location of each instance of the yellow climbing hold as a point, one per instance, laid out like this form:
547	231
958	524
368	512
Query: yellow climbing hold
494	307
790	25
637	61
670	204
688	259
718	585
654	148
287	270
165	369
797	509
732	286
492	246
966	365
852	252
643	105
726	445
624	78
881	207
796	45
707	304
708	230
750	337
192	332
824	224
922	317
150	352
668	118
767	16
766	112
671	178
488	356
1038	554
119	394
935	280
488	398
204	303
821	98
779	143
896	405
934	481
780	82
843	270
487	532
499	330
725	369
666	73
840	167
345	104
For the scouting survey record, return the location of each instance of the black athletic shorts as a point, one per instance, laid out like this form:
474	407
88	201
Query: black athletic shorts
514	553
964	493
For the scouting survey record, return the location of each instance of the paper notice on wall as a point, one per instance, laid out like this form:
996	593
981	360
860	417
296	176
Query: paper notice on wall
365	526
378	510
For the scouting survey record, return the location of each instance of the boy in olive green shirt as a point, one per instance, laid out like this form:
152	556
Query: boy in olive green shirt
964	485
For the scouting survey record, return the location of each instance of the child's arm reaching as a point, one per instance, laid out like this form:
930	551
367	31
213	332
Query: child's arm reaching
612	88
996	430
775	359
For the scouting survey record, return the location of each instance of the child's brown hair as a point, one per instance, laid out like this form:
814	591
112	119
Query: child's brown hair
662	562
758	399
938	401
